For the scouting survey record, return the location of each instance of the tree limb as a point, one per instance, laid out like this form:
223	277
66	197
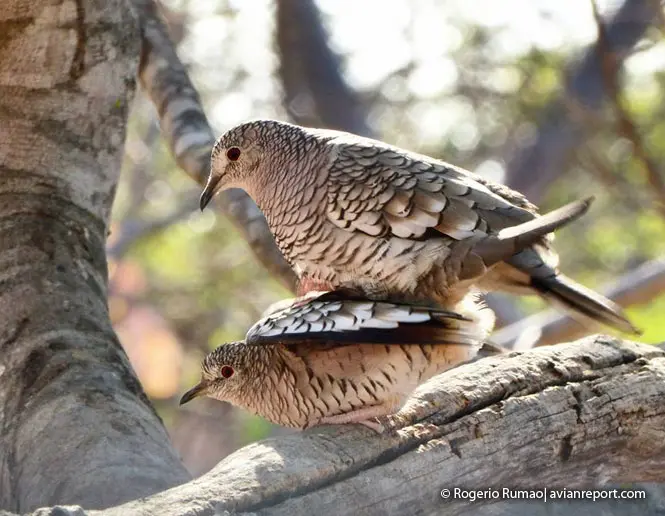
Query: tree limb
190	137
315	91
587	413
530	169
626	126
135	229
636	287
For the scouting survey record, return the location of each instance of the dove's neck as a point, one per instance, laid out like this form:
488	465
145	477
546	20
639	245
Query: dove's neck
291	180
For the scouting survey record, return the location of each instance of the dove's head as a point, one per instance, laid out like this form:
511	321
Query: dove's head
244	155
228	374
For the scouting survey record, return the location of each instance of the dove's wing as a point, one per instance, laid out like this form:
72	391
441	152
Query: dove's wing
341	337
384	191
326	320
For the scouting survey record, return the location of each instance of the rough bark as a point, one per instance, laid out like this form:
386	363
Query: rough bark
75	425
587	413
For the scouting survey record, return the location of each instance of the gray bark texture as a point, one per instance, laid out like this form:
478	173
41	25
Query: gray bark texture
77	434
75	425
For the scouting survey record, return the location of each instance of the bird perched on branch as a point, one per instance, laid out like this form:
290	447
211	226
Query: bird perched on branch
324	359
353	213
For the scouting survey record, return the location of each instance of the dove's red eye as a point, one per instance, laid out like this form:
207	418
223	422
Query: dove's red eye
233	153
227	371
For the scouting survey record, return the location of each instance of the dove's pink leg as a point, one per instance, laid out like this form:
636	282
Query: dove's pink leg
363	416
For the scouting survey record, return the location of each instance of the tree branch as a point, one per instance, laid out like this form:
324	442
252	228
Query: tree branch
595	160
315	92
190	137
133	230
530	169
626	127
587	413
636	287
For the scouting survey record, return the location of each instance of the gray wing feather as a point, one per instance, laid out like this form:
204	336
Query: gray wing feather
313	315
381	190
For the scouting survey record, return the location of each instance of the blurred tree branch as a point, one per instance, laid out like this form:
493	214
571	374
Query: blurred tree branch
315	92
134	228
626	127
635	287
140	152
561	129
190	137
597	162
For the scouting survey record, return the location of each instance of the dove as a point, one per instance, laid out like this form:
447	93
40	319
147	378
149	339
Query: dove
357	214
326	359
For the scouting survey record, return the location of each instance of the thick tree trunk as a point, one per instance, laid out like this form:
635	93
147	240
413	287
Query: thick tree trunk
75	425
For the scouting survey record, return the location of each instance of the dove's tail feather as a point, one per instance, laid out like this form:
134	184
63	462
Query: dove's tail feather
531	267
514	239
582	302
489	349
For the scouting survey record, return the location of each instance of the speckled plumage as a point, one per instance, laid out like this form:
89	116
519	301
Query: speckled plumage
354	213
323	359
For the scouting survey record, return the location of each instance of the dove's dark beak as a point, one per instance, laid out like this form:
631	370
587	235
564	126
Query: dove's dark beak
209	191
192	393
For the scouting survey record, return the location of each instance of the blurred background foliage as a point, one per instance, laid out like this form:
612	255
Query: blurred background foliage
558	98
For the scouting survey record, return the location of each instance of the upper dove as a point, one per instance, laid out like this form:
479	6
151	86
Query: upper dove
357	214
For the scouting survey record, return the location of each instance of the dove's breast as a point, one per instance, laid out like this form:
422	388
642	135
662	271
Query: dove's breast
347	378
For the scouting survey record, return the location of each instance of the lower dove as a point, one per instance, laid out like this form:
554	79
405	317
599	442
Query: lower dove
324	359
